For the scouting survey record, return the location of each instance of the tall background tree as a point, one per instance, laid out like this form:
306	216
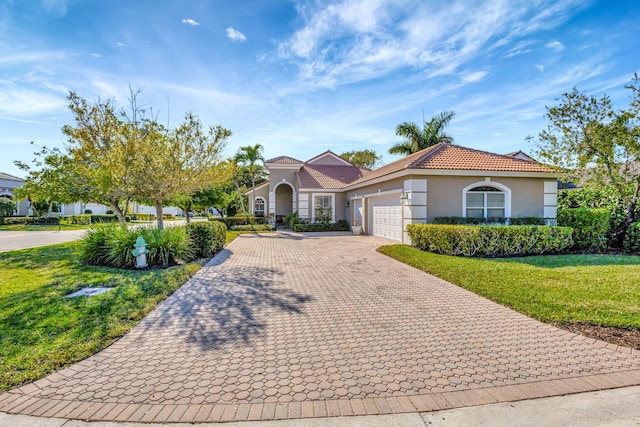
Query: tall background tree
599	146
416	139
250	157
363	158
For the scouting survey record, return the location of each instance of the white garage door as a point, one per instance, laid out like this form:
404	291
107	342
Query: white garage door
386	217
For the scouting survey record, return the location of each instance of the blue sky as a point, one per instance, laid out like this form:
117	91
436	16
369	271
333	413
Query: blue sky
302	77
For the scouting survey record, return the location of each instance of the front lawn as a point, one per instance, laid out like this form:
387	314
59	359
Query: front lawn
42	331
602	290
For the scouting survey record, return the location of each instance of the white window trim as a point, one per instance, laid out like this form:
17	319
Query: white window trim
497	185
333	205
264	203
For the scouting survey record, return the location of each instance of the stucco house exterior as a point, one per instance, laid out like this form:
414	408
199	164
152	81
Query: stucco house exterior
442	180
8	183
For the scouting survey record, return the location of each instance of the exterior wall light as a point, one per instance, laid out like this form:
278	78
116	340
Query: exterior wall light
346	204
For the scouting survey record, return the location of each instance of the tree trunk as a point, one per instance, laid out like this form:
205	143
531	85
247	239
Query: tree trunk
116	210
631	215
159	217
244	211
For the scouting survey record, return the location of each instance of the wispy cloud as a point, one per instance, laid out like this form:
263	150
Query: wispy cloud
17	101
120	44
96	55
555	45
191	22
235	35
354	40
474	77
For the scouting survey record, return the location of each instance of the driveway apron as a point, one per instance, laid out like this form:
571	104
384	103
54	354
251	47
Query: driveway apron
294	326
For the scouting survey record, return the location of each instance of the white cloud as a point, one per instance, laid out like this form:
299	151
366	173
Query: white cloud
474	77
555	45
191	22
236	35
354	40
539	67
18	101
96	55
120	44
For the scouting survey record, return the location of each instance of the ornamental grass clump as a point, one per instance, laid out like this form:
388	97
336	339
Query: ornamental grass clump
490	241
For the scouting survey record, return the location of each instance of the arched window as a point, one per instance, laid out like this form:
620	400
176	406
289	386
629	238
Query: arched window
486	200
258	206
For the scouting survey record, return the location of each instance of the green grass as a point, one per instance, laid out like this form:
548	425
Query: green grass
597	289
21	227
42	331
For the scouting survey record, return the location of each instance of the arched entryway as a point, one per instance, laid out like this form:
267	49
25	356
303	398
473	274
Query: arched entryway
285	196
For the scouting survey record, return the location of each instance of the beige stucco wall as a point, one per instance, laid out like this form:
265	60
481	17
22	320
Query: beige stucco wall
444	193
260	192
276	176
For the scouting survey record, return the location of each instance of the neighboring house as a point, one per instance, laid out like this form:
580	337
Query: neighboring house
443	180
8	183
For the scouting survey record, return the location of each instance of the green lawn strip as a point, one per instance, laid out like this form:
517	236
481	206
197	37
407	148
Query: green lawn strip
42	331
597	289
22	227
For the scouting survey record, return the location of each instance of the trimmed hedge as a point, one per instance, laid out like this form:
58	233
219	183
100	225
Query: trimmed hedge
143	217
29	220
321	226
488	240
590	227
207	237
240	220
254	227
632	239
458	220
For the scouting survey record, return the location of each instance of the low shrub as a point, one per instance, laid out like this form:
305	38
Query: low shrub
632	239
254	227
291	220
111	245
102	218
488	240
142	217
82	219
321	226
590	227
240	220
207	238
29	220
458	220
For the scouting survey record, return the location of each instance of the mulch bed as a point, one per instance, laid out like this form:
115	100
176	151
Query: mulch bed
618	336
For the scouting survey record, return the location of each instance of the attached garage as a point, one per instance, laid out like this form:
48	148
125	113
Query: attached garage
385	217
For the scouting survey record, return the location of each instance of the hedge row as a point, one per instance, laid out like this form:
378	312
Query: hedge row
490	241
458	220
112	245
239	220
590	227
321	226
252	227
84	219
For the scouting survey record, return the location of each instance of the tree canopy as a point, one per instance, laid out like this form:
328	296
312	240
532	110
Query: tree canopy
113	157
592	142
416	139
363	158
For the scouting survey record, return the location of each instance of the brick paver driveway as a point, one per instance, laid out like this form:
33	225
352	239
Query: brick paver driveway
286	326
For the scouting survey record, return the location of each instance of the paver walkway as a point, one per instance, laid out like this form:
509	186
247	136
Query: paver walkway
286	326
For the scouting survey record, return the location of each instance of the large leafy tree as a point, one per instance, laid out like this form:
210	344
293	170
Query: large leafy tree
363	158
416	139
179	162
592	142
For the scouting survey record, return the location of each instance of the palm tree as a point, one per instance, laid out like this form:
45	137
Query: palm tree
249	156
417	139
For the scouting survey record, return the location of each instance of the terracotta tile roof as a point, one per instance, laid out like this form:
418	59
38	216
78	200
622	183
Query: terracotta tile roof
284	160
445	156
8	177
329	176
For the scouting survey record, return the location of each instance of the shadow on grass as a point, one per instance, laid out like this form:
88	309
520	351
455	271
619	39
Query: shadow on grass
225	308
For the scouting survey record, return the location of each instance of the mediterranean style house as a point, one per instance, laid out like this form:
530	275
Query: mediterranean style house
442	180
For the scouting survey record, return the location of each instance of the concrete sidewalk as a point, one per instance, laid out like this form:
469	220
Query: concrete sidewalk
617	408
15	240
